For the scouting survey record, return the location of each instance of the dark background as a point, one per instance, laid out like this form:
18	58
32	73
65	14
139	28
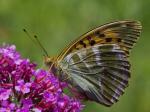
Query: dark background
57	22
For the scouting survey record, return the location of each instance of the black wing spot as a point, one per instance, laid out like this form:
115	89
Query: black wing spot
92	42
99	34
102	35
89	38
82	43
77	48
119	40
108	39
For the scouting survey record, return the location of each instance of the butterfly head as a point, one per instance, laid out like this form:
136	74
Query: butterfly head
49	60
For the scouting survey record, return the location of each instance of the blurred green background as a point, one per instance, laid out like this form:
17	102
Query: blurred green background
57	22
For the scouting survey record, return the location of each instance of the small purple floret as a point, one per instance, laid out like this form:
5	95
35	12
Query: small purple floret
25	89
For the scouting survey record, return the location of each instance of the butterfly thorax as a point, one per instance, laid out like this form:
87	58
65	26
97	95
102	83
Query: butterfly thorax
52	63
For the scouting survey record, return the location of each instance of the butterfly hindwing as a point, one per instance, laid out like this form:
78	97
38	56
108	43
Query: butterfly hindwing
101	72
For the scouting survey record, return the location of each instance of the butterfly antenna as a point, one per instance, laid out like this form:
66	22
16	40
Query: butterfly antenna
37	42
28	35
41	46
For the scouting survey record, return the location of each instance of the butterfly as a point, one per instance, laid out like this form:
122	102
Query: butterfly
97	63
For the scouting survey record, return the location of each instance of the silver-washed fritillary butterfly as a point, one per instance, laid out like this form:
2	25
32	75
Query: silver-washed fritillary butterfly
96	64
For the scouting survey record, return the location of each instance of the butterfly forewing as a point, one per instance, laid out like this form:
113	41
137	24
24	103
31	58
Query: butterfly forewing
123	33
101	72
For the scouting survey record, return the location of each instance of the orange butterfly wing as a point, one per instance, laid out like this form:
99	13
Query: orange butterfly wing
123	33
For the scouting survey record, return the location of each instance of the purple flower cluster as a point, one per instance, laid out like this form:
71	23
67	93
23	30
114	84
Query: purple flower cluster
25	89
